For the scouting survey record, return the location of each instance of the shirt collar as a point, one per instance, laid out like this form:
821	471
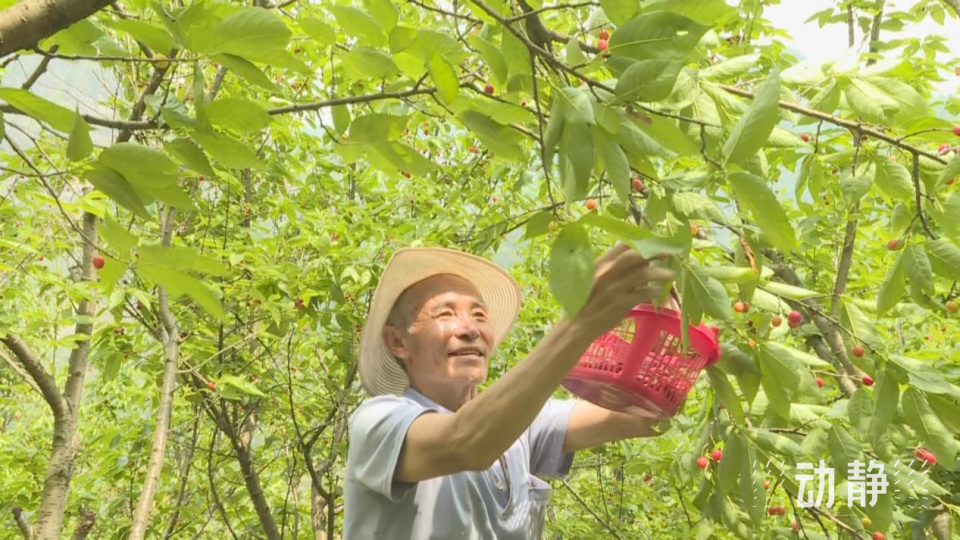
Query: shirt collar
423	400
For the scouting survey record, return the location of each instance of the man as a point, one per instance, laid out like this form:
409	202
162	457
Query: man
429	456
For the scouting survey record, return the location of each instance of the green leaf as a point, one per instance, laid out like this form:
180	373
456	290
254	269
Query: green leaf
181	258
115	186
492	57
854	187
775	443
245	69
693	204
732	67
754	127
918	269
885	406
776	360
952	170
648	80
45	111
539	224
707	293
815	443
239	384
859	408
318	29
666	132
790	291
893	287
949	218
925	378
615	161
153	36
553	132
190	155
755	196
253	33
727	395
869	102
238	114
377	127
894	179
576	160
752	494
863	329
571	268
574	56
227	150
944	258
79	145
624	232
619	11
500	139
908	103
341	117
358	24
179	284
948	410
843	449
384	12
729	469
928	426
577	105
445	77
110	274
731	274
370	63
658	35
118	237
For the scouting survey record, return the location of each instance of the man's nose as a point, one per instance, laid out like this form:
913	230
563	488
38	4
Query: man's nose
467	328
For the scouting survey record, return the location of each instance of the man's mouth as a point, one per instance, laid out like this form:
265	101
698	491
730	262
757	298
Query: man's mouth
468	351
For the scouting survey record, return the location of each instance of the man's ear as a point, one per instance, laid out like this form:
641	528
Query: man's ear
393	338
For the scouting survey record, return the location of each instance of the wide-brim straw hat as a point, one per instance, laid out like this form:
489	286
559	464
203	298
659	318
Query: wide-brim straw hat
380	372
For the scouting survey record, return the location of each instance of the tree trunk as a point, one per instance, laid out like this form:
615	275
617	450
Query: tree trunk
252	481
24	24
171	352
318	514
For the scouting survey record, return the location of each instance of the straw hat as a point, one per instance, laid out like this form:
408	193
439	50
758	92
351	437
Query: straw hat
380	372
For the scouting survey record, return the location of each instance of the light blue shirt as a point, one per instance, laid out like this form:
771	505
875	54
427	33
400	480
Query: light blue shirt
469	504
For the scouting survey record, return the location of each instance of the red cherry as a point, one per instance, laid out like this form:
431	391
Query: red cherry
952	307
604	34
795	319
925	455
717	455
602	45
776	321
951	181
212	385
819	382
488	89
857	351
956	131
893	244
637	184
805	137
741	307
867	380
943	148
702	462
694	230
591	204
202	178
795	526
98	261
766	484
474	150
879	536
298	303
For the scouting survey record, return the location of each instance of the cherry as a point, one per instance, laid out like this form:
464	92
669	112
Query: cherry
952	307
893	244
637	184
474	150
98	261
956	131
776	321
805	137
717	455
591	204
602	45
867	380
488	88
819	382
766	484
741	307
795	319
857	351
943	148
866	522
702	462
212	385
694	230
795	526
604	34
879	536
298	303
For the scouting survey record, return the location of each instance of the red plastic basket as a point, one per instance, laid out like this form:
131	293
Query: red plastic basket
641	363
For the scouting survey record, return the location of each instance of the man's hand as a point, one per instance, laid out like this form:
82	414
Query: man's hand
590	426
623	279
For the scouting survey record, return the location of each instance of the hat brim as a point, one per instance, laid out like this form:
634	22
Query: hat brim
380	373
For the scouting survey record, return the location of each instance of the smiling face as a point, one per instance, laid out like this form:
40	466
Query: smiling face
441	331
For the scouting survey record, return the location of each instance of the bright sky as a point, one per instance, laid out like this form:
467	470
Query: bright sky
830	42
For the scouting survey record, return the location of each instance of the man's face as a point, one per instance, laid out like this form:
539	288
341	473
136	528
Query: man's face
449	336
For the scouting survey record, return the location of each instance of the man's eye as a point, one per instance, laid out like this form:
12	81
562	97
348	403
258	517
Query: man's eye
482	315
446	314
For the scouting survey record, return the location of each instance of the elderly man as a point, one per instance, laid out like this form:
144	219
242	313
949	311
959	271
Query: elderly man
429	455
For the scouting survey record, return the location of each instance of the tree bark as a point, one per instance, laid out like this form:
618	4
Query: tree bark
84	524
22	523
252	481
24	24
171	352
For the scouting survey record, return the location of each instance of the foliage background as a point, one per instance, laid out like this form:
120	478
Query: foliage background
252	168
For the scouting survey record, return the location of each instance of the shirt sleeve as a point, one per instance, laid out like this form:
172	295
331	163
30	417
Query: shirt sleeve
547	433
377	431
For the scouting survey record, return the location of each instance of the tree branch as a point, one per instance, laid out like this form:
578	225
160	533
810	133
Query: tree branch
918	195
22	523
24	24
20	371
350	100
954	5
96	120
30	362
85	524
